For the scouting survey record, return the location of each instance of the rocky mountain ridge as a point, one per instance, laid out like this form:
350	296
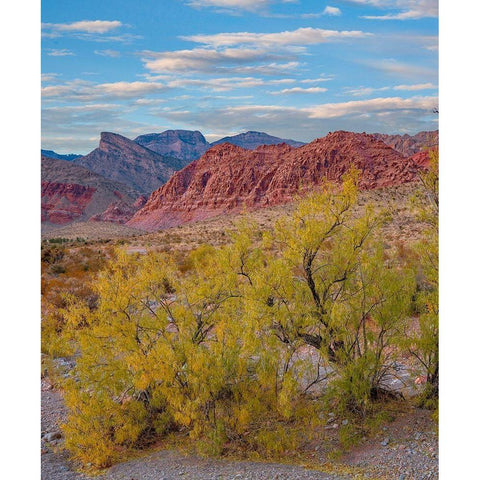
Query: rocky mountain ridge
230	178
59	156
185	145
410	144
122	160
251	140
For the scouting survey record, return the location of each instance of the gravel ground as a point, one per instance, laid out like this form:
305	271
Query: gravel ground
406	449
161	465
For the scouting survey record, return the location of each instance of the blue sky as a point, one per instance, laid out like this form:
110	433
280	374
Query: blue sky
295	69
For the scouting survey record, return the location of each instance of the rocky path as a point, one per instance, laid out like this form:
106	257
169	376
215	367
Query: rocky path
404	450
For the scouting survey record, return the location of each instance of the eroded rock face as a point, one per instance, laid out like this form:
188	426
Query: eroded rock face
122	160
410	144
120	211
71	192
63	203
230	178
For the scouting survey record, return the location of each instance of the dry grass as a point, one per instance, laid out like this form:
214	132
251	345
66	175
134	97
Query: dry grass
90	231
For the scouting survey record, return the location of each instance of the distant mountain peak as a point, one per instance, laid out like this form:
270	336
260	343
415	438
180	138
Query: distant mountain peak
186	145
60	156
121	159
252	139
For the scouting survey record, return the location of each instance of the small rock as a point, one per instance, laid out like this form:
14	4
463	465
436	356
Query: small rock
331	427
50	437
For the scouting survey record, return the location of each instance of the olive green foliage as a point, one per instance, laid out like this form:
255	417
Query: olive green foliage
424	344
239	345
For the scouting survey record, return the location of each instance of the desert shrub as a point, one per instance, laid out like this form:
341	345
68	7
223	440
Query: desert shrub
189	358
323	282
218	342
423	344
52	254
57	269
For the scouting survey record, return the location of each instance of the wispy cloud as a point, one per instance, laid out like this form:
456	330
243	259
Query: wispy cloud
244	52
80	90
288	91
208	60
394	67
405	9
418	86
83	26
49	77
59	52
299	37
365	91
107	53
93	30
232	6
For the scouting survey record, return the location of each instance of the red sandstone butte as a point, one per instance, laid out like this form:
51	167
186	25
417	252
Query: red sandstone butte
228	178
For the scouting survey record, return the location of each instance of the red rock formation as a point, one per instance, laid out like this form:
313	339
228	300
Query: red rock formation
64	202
73	193
230	178
120	211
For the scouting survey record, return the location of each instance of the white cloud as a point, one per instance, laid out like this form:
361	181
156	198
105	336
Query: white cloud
93	30
49	77
235	5
83	26
409	9
59	52
418	86
331	110
288	91
301	36
206	60
364	91
80	90
238	4
244	52
334	11
315	80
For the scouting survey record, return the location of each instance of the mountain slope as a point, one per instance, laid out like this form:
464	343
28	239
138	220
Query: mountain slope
185	145
230	178
410	144
122	160
251	140
73	193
